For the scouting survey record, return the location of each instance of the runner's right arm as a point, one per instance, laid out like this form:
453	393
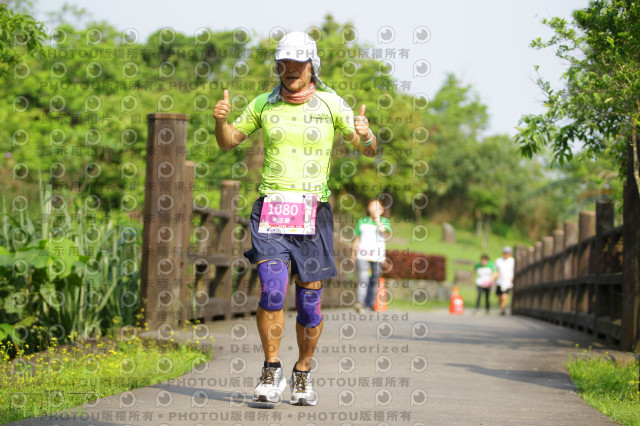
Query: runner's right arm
227	135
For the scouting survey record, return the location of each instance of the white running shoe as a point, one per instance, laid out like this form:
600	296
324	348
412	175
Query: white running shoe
301	391
270	386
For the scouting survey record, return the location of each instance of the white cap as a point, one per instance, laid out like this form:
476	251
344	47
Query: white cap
507	249
300	47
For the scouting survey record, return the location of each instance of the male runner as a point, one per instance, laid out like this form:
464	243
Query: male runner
298	120
504	278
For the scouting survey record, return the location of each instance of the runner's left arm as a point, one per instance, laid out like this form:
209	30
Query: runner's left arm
363	138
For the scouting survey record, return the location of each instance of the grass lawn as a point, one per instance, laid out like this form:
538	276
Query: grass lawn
608	386
468	246
60	378
461	255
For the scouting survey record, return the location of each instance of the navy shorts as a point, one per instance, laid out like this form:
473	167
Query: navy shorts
310	256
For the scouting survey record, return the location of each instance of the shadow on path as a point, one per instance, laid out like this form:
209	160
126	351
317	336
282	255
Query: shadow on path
552	379
197	394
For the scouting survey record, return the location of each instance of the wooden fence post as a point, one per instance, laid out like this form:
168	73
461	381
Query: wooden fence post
604	222
570	239
547	252
538	270
520	264
186	294
587	228
163	211
558	248
547	275
520	280
537	257
569	269
560	293
229	201
631	253
531	256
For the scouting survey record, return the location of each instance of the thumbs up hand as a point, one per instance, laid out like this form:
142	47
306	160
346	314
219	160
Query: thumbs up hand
222	108
362	124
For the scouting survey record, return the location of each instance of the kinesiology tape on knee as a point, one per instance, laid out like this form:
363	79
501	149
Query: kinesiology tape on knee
274	277
308	306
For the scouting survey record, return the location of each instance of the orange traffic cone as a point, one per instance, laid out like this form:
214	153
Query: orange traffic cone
381	297
456	306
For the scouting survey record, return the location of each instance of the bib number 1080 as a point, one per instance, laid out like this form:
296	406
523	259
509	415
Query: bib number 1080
288	213
283	209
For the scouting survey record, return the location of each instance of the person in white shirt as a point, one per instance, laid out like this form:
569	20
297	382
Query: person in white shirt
504	278
369	253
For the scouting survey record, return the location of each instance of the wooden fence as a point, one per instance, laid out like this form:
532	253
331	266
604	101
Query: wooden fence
192	259
576	278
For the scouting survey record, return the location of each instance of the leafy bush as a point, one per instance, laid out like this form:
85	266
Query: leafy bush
76	274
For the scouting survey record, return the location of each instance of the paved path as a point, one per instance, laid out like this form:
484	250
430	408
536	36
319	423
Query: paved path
389	368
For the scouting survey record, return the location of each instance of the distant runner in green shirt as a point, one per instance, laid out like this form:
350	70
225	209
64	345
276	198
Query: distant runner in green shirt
291	222
484	280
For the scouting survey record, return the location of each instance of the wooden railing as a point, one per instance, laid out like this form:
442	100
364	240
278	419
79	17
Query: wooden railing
575	277
219	237
587	275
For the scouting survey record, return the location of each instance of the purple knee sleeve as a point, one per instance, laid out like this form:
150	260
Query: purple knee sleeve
308	306
274	277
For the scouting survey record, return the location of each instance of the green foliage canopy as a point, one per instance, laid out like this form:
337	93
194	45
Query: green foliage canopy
79	115
19	33
599	105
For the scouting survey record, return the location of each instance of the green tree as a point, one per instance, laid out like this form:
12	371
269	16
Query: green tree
84	101
599	105
456	116
19	33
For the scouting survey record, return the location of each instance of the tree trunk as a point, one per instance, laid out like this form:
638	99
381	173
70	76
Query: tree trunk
479	223
417	213
487	232
636	159
631	253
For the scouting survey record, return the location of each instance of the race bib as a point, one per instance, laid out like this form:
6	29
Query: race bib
288	213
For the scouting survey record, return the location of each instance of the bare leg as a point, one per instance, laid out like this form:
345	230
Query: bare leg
307	337
504	299
271	329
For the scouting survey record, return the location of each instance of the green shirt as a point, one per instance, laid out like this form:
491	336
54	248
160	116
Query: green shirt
484	272
298	140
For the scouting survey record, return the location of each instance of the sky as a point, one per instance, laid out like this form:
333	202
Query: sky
485	44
